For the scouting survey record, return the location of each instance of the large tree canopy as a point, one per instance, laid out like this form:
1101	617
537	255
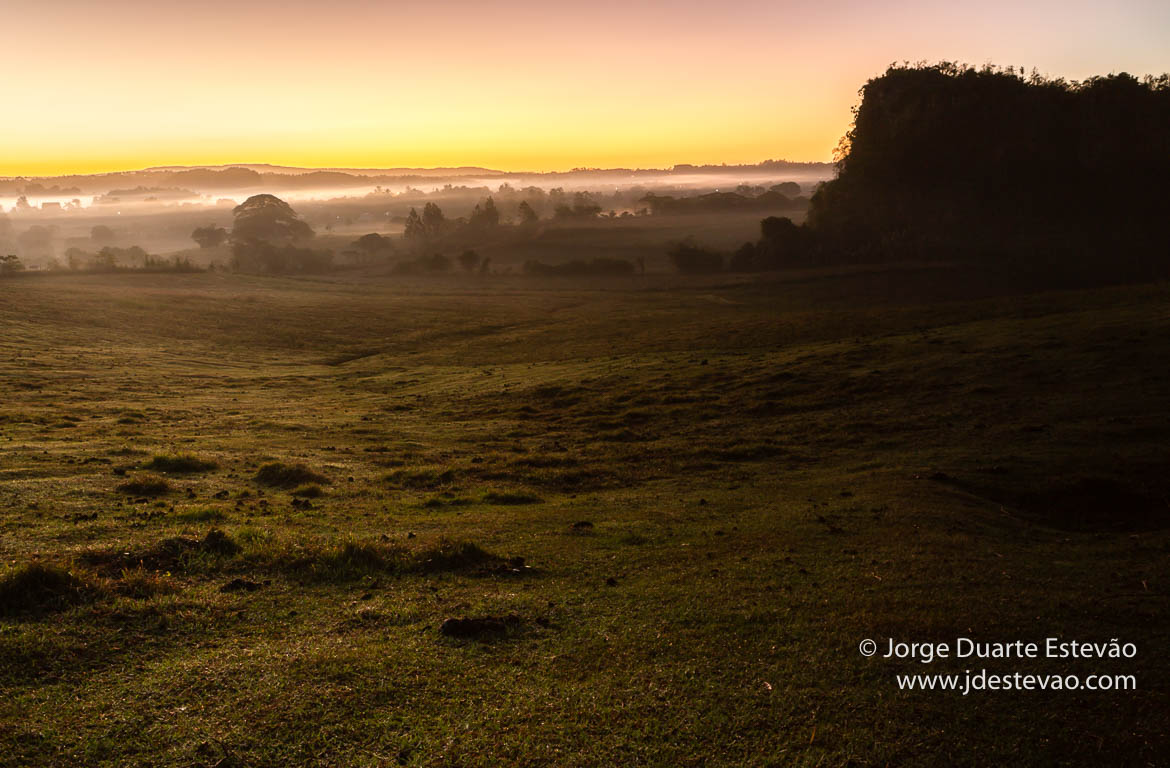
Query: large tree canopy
951	161
269	219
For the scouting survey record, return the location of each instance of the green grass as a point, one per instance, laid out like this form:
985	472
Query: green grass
146	485
179	464
771	471
280	475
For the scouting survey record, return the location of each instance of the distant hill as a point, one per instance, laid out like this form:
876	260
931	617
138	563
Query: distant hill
292	170
206	179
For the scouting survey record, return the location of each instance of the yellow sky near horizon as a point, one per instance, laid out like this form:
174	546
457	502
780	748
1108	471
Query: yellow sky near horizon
516	86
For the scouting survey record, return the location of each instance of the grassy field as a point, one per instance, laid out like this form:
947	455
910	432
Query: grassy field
236	513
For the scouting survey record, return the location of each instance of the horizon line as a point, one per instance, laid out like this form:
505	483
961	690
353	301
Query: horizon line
373	170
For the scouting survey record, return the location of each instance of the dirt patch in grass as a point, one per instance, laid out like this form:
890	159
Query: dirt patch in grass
146	485
179	464
277	474
41	587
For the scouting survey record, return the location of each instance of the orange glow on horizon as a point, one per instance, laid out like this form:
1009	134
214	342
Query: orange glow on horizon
516	86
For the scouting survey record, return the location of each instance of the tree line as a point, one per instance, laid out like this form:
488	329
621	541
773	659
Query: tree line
988	165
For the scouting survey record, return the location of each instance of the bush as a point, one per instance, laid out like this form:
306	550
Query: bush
146	485
782	244
180	463
42	587
280	475
688	257
266	258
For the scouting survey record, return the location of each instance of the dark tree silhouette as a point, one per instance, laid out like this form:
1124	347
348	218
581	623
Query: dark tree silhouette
415	231
265	236
267	218
210	236
433	220
372	243
102	235
949	161
527	215
690	258
469	260
484	216
10	264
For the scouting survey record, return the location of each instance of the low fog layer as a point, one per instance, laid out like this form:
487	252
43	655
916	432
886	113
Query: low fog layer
43	220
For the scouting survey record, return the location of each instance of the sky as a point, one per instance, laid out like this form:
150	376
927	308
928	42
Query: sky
514	84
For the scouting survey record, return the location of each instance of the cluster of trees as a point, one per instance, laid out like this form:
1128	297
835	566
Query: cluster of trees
210	236
145	194
690	258
428	227
991	165
582	207
10	264
779	197
782	244
436	263
508	205
432	228
949	161
113	259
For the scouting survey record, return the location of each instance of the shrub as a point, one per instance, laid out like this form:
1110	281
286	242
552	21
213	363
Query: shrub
146	485
280	475
687	257
181	463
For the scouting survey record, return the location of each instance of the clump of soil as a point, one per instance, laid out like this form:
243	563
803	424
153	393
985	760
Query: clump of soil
39	587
